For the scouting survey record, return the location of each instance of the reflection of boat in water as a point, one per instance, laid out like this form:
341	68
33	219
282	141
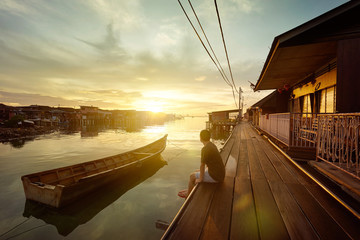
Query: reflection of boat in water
83	210
61	186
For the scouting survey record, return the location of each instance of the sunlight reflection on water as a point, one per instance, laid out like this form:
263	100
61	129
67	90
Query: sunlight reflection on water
130	212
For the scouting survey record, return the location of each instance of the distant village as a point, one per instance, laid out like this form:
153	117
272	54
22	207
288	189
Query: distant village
44	117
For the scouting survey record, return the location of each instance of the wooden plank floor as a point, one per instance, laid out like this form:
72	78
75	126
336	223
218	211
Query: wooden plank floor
264	196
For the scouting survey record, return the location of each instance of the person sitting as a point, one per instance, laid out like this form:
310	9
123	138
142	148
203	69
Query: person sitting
212	169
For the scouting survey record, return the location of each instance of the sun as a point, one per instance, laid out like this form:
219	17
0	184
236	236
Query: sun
154	109
154	106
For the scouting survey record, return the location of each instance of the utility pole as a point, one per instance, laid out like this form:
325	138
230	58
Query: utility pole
242	104
240	109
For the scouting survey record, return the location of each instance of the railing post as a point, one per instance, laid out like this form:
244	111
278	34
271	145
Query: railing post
357	145
290	126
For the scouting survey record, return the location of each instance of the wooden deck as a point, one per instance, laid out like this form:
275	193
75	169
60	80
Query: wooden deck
264	196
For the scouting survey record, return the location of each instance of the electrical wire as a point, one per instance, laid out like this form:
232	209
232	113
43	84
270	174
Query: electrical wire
207	40
223	39
232	85
197	34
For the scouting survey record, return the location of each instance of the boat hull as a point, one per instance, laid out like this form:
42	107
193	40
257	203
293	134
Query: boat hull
63	193
69	217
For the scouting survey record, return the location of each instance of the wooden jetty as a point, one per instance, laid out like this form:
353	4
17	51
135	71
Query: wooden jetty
264	196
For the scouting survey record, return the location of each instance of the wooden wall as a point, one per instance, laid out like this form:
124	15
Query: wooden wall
348	76
278	103
220	116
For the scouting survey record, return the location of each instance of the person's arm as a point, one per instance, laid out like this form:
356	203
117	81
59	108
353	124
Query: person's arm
202	171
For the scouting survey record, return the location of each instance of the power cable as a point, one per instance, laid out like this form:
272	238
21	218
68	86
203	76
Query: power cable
207	40
223	39
232	85
197	34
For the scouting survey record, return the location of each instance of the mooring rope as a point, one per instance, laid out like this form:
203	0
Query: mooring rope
170	142
26	231
177	154
15	226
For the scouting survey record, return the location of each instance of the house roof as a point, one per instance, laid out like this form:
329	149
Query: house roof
265	99
296	54
225	111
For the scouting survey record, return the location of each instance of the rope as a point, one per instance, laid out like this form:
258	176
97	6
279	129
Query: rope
15	226
26	231
177	154
175	145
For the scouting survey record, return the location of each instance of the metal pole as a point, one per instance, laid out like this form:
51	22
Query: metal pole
239	102
242	104
240	109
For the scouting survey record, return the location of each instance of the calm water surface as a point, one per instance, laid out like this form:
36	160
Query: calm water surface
127	209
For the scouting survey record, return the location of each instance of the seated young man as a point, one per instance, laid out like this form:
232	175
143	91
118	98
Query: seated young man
212	168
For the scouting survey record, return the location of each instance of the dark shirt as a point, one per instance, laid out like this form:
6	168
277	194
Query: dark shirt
211	157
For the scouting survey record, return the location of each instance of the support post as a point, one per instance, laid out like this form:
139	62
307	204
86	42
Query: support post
240	109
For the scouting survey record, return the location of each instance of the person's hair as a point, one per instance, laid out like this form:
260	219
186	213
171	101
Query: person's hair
205	135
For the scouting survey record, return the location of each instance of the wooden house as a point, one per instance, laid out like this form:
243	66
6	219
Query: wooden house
221	123
275	102
89	115
317	63
6	112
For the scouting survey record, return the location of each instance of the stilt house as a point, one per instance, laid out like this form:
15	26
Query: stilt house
316	66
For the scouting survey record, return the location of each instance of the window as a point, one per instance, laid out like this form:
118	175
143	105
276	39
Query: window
296	105
327	100
306	107
322	101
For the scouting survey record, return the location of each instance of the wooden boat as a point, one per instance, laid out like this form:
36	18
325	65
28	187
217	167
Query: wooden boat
66	219
59	187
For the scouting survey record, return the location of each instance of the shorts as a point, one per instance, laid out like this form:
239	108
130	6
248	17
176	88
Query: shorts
207	177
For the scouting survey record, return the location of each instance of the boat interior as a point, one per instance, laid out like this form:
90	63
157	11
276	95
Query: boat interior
69	175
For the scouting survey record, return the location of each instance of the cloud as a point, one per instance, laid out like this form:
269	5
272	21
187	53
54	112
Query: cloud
28	99
142	79
127	15
14	7
118	99
246	6
179	101
168	35
115	94
109	47
200	79
165	39
101	52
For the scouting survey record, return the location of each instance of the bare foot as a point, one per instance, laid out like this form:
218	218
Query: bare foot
183	193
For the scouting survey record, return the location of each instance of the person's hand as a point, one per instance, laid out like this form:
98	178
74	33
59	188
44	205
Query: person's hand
198	181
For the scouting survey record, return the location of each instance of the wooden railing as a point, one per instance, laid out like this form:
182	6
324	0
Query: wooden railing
338	141
277	125
336	137
303	130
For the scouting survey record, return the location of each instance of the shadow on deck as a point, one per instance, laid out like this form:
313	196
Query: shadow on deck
264	196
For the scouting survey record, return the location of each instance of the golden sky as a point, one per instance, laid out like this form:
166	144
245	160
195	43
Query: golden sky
138	54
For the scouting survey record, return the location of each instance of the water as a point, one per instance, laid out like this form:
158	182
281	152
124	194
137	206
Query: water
127	209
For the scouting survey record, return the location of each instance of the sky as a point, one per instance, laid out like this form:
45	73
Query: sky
139	54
